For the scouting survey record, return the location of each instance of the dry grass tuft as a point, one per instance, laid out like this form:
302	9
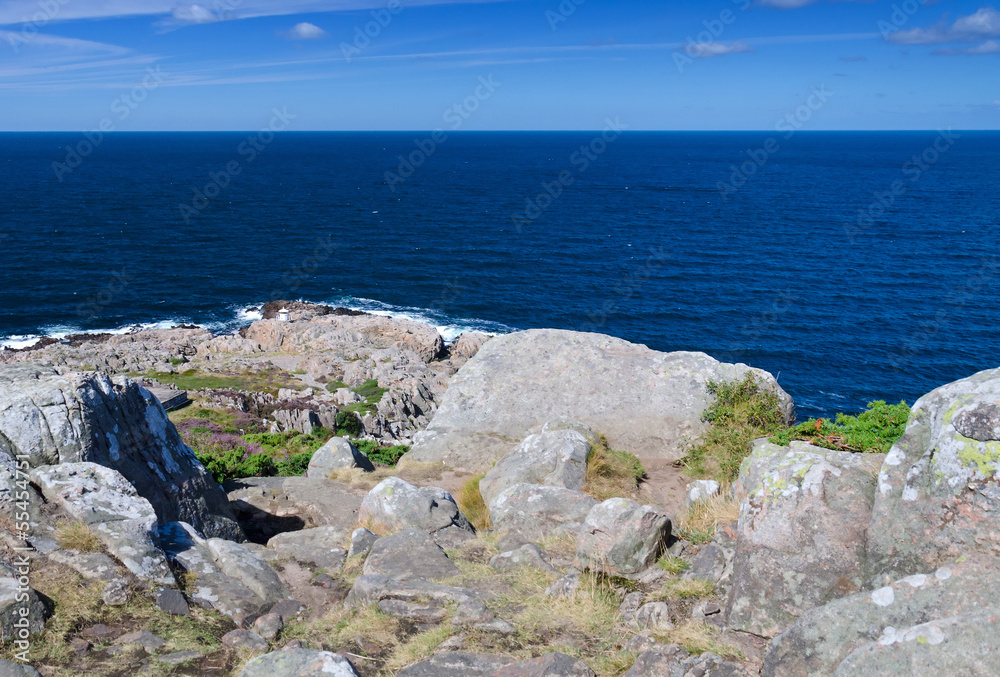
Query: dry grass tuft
612	474
77	536
417	648
413	472
697	523
686	588
343	627
561	544
672	564
698	638
472	505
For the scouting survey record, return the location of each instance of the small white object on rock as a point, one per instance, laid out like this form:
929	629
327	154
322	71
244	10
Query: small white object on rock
699	490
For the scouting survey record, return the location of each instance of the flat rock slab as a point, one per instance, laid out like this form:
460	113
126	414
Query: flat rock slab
457	664
535	511
646	402
557	458
274	505
549	665
394	504
299	663
106	502
937	496
11	669
409	554
371	589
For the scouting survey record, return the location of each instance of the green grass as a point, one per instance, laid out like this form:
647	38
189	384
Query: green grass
874	430
672	564
471	504
383	456
334	386
268	381
742	412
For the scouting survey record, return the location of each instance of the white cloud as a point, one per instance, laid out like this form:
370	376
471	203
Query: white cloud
786	4
194	14
305	31
704	50
979	26
989	47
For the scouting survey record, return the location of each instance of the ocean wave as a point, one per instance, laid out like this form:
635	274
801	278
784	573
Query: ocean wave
58	332
449	328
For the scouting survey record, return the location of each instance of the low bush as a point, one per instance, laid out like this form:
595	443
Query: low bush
874	430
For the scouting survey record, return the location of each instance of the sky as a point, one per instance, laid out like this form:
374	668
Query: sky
160	65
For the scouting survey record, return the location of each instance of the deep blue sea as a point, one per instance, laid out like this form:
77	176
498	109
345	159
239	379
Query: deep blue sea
855	266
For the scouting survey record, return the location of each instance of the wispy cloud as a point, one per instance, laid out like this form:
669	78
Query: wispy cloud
706	50
304	31
989	47
979	26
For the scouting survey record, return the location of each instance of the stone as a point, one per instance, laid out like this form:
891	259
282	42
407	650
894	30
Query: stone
372	589
10	669
394	505
409	554
172	601
822	638
149	642
457	664
80	646
536	511
661	660
710	564
959	645
699	490
801	535
645	402
630	605
550	665
564	586
572	424
116	593
937	495
621	537
269	625
526	556
99	631
105	501
13	618
95	566
299	663
244	639
240	563
453	538
557	458
116	423
268	506
288	609
178	657
467	344
361	542
414	612
654	616
337	454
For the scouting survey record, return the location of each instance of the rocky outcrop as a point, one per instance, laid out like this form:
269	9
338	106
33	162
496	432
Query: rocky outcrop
299	663
937	496
531	512
557	458
457	664
58	419
395	504
645	402
621	537
409	554
801	535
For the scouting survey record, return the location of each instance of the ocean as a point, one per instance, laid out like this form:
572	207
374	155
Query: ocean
854	266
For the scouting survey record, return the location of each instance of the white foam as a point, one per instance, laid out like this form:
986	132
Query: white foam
449	328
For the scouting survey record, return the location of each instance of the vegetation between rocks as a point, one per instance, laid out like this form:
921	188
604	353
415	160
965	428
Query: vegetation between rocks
874	430
266	380
611	473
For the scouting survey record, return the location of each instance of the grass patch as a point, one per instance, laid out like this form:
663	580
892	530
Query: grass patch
698	638
686	588
672	564
470	502
379	455
345	629
417	648
612	474
77	536
269	380
698	521
874	430
334	386
742	412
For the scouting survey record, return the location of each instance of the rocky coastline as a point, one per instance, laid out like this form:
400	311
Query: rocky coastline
347	495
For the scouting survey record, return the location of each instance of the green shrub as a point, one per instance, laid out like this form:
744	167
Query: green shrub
348	424
874	430
232	465
742	412
370	391
334	386
383	456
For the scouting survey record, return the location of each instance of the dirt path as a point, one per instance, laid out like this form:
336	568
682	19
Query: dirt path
664	484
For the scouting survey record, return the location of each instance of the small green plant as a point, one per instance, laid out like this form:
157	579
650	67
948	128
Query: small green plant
235	464
742	412
348	424
382	456
688	588
672	564
176	361
471	504
334	386
874	430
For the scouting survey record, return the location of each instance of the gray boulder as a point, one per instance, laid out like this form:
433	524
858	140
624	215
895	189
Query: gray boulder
457	664
337	454
236	561
654	616
395	504
937	494
88	417
621	537
643	401
409	554
15	622
557	458
550	665
362	541
10	669
527	555
299	663
107	503
320	546
822	638
372	589
535	511
801	535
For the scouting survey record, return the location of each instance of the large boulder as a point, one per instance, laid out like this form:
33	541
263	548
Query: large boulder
409	554
533	511
337	454
109	505
621	537
22	612
937	493
646	402
116	423
801	534
822	638
395	504
557	458
299	663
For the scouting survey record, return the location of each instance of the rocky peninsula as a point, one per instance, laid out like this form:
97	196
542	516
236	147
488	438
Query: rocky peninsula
336	493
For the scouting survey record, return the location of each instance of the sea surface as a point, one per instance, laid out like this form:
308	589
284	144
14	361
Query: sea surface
854	266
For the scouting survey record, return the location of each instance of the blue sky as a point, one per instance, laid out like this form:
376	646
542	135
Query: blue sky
402	64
